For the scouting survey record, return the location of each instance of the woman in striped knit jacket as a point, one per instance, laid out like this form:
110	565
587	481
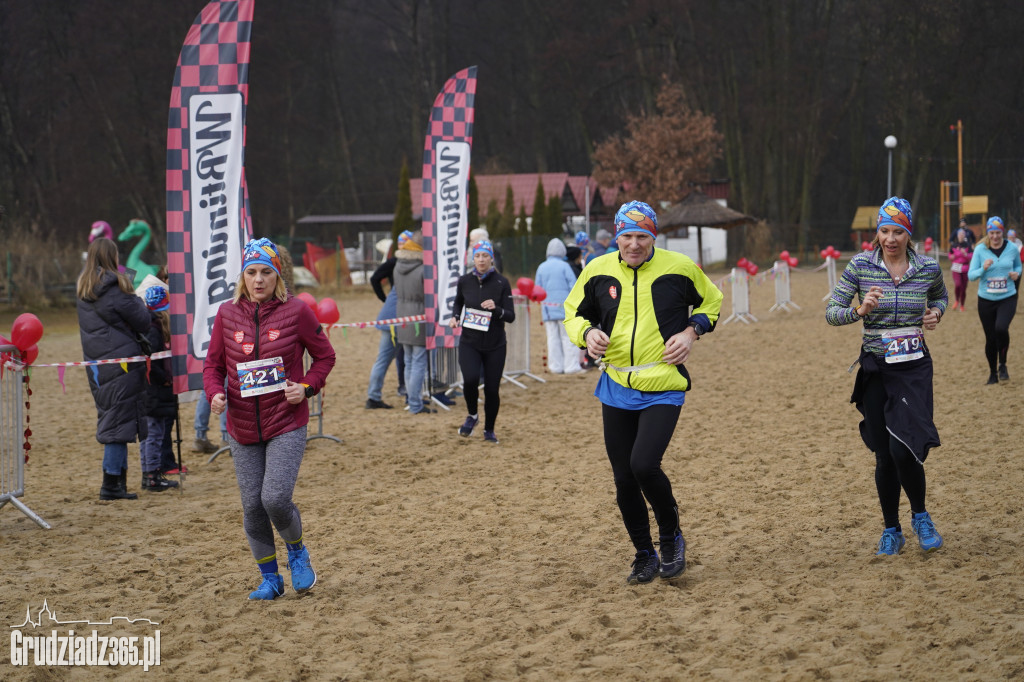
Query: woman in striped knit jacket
900	293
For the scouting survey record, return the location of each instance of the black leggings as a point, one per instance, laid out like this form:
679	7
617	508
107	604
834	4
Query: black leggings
636	441
995	320
471	361
895	466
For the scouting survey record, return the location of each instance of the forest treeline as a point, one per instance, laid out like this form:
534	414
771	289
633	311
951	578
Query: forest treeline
803	93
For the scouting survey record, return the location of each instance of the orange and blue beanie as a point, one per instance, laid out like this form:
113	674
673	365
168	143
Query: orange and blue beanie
263	251
896	211
636	216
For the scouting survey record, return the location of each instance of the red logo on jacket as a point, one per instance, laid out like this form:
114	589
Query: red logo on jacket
273	334
613	292
247	348
239	337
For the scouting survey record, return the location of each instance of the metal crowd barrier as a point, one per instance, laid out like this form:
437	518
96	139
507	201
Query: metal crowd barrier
517	358
740	298
12	430
783	292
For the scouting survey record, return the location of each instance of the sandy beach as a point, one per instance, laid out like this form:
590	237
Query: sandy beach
440	558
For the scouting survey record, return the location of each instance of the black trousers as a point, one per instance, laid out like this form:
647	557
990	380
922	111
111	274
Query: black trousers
492	363
636	441
995	320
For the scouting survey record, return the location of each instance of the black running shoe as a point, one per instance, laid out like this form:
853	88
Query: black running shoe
1003	374
673	554
993	378
645	567
467	427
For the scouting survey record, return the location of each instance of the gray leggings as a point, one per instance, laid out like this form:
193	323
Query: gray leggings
266	475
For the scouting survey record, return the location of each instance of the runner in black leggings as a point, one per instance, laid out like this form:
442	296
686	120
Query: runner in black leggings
997	268
632	310
487	299
636	441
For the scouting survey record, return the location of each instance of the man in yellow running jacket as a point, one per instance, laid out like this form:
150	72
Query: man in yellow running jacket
641	309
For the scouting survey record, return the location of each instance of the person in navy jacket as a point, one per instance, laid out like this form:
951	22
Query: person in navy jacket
257	343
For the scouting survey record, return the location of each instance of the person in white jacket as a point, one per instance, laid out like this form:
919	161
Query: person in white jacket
556	277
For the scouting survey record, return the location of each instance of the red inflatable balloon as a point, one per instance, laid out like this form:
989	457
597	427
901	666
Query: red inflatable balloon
516	292
26	331
5	355
784	256
741	263
308	299
538	294
327	311
29	355
525	285
824	253
752	269
865	246
793	262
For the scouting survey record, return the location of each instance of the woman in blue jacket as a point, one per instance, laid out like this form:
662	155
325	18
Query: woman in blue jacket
996	266
556	277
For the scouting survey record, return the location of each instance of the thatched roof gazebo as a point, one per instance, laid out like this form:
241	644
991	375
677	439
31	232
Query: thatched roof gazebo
699	210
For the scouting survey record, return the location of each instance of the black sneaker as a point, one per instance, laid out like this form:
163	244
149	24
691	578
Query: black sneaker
645	567
423	410
993	378
1003	374
673	554
489	437
467	427
372	404
156	483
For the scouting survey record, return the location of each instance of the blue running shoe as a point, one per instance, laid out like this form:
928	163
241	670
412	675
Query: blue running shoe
303	575
489	437
467	427
645	567
891	543
927	536
272	587
673	557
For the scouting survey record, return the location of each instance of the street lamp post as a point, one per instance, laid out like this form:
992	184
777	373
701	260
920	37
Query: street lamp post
890	144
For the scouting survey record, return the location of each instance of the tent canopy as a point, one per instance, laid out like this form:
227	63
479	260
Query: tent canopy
700	210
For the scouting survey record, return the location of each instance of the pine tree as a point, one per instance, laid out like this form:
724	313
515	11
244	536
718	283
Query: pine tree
403	210
507	223
554	216
473	206
493	218
523	229
540	217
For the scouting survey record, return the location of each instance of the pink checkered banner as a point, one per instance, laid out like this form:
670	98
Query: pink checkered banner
446	154
208	219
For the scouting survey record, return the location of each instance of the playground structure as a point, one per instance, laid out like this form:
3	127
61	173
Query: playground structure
138	229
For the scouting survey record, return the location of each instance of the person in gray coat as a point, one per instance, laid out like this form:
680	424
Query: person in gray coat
111	321
413	337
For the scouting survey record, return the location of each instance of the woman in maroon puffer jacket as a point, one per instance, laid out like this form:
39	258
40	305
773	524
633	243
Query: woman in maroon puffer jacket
258	342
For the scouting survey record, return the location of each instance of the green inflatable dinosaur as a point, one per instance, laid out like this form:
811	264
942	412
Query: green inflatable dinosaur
138	228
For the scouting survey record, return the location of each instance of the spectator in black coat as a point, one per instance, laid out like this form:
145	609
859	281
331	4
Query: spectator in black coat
111	321
160	404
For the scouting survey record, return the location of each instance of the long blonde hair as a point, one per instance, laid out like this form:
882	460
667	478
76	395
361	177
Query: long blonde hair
100	259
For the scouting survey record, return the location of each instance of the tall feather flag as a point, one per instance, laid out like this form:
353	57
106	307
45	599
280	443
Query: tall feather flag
208	219
446	154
